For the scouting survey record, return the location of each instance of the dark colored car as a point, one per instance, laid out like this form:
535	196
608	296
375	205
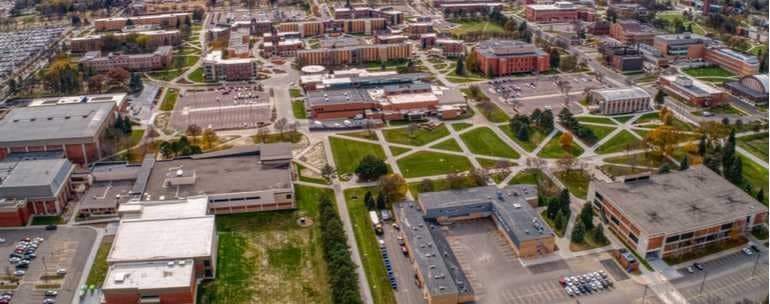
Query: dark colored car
699	266
51	227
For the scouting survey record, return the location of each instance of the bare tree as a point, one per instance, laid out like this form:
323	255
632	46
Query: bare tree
328	171
412	129
193	131
564	87
262	134
369	126
280	124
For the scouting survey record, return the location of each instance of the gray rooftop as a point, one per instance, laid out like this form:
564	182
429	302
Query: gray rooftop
228	171
337	96
33	178
622	93
507	48
442	275
679	201
508	205
57	124
106	195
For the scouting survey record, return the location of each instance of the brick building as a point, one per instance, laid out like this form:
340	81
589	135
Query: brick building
681	46
164	20
692	91
735	62
159	59
366	26
216	69
557	12
96	42
450	47
752	89
77	130
622	58
470	9
33	187
632	32
507	57
391	16
354	54
670	214
621	100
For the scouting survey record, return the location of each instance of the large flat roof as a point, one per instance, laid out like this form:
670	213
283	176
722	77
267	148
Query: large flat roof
56	124
106	194
505	48
40	178
622	93
229	171
679	201
163	239
147	276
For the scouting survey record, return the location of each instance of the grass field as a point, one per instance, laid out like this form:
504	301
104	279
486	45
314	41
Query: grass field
368	246
596	119
553	149
639	159
648	117
448	144
619	143
361	134
268	256
614	171
398	150
196	75
599	131
420	136
486	163
755	175
576	181
47	220
496	114
298	108
461	126
432	163
484	141
439	185
708	72
475	26
348	153
169	101
623	118
535	138
756	144
534	176
99	268
294	93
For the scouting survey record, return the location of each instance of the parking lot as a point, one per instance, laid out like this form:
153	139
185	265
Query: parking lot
227	107
497	276
543	92
66	249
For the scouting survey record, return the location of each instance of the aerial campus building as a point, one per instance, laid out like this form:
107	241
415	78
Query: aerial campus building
99	62
216	67
632	32
621	100
164	20
507	57
670	214
155	38
692	91
33	187
557	12
752	89
437	268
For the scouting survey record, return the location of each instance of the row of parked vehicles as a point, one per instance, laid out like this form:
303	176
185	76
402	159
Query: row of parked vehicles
388	265
587	283
21	257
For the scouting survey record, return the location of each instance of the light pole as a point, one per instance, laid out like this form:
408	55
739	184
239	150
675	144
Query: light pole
705	273
756	263
644	296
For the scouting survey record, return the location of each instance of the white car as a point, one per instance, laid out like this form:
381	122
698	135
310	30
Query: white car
747	251
19	273
61	271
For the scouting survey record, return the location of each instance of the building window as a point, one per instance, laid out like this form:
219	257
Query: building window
288	196
727	226
633	238
686	236
672	238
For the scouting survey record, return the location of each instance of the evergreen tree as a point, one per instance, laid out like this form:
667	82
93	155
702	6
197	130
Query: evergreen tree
578	233
665	168
713	162
761	195
748	189
460	68
545	124
558	222
598	235
660	97
553	208
369	201
564	201
735	173
119	123
380	201
127	126
371	168
586	216
554	58
703	145
535	117
135	83
684	164
523	134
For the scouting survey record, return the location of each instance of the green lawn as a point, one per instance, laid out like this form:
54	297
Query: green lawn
484	141
266	255
535	138
533	176
361	134
496	114
576	181
432	163
298	108
439	185
398	150
756	144
475	26
196	75
623	118
599	131
294	93
169	101
461	126
99	269
448	144
553	149
755	175
47	220
640	159
619	143
301	168
368	245
648	117
420	136
708	72
166	75
348	153
486	163
614	171
292	137
596	119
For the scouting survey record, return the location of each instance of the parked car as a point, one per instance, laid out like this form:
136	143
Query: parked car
19	272
51	293
51	227
698	266
754	247
690	269
61	271
747	251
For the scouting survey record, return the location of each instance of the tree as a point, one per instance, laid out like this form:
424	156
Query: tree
455	181
552	207
62	76
426	185
702	145
684	164
280	124
578	233
479	176
748	188
119	123
380	201
554	58
411	129
393	187
193	131
735	172
369	201
472	64
597	234
209	138
523	26
12	85
545	123
523	134
665	168
565	140
761	195
586	216
328	171
568	64
663	139
371	168
660	98
135	84
95	83
564	201
460	68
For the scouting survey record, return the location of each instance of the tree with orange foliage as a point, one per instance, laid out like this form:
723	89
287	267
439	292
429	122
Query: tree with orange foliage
565	140
663	139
